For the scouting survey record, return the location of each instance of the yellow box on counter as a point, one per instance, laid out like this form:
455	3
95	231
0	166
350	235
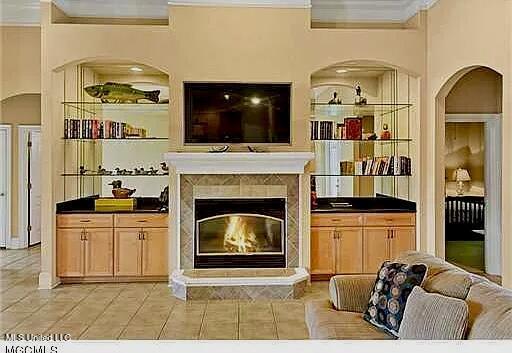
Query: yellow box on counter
110	204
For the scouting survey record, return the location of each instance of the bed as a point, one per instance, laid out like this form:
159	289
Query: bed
464	217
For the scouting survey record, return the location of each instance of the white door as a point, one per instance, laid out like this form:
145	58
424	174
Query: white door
5	169
35	190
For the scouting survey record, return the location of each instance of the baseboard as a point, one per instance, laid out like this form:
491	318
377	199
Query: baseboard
16	244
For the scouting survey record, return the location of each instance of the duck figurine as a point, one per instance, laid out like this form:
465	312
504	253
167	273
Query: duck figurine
119	192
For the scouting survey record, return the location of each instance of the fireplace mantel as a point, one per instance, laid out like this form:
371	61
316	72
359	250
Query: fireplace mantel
239	162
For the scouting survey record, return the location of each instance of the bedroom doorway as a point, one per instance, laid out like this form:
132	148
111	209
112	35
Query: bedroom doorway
473	191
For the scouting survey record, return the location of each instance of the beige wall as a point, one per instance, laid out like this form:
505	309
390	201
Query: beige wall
19	110
478	91
211	44
463	34
260	44
20	65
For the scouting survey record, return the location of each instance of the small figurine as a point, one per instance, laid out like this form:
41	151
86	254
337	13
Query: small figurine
119	192
358	90
152	171
372	137
385	135
359	99
164	166
335	99
103	171
83	170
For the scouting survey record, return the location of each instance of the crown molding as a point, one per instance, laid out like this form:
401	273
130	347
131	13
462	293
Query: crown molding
367	10
302	4
154	9
27	12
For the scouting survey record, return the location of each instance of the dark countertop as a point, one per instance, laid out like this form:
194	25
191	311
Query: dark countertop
377	204
86	205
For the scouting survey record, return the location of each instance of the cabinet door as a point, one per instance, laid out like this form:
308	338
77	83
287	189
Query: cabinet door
127	252
154	252
322	250
403	239
349	250
99	252
376	248
70	259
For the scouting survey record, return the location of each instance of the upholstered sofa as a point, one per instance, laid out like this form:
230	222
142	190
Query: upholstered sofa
341	317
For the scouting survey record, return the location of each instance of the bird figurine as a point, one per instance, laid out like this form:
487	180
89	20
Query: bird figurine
119	192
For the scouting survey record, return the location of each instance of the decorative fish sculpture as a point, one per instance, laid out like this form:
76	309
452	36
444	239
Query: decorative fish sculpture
112	92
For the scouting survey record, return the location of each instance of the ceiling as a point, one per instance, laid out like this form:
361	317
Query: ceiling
26	12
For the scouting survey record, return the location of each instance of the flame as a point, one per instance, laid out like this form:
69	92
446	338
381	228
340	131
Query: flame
239	236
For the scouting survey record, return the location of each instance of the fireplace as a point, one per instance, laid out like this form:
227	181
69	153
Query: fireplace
240	233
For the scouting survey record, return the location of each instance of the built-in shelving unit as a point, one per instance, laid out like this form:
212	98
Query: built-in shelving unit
339	170
124	135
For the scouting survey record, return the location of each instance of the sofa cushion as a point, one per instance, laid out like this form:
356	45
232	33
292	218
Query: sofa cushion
325	322
490	312
394	283
442	277
351	292
433	317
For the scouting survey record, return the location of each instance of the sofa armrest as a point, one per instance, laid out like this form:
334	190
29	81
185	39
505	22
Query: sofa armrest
351	292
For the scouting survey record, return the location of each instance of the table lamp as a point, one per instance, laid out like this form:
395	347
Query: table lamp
461	175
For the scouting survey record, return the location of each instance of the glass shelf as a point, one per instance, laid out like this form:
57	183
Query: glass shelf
336	111
358	176
135	139
96	107
366	141
112	175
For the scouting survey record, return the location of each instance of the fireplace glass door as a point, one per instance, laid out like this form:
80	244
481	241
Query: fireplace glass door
240	234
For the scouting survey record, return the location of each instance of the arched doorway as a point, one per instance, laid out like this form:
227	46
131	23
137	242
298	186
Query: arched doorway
469	177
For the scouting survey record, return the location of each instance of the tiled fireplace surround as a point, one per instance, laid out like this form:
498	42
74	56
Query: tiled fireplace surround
237	175
238	186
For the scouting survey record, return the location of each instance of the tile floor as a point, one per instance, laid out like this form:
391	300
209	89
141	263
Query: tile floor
136	310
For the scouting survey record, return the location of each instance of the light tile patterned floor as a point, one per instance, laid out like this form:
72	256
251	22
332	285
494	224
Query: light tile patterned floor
136	310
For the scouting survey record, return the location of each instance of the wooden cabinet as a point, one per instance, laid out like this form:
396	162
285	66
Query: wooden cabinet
385	243
376	248
402	239
348	250
128	252
70	259
96	247
336	250
141	252
85	252
154	252
98	252
322	251
358	243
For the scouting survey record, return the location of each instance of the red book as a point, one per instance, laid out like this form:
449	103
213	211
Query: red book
354	128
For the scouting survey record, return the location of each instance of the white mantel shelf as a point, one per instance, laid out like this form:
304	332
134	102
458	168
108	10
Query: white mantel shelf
239	162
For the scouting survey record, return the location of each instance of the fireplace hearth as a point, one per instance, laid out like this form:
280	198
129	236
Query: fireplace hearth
240	233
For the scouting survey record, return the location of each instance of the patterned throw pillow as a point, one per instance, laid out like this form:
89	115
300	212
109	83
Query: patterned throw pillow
394	283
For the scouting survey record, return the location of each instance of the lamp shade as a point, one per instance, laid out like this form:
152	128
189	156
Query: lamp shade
461	174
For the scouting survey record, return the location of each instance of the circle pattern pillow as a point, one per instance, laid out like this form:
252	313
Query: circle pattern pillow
394	283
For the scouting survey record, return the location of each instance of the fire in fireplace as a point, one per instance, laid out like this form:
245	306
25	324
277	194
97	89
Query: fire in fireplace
240	233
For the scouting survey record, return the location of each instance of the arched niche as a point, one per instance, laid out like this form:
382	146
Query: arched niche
381	83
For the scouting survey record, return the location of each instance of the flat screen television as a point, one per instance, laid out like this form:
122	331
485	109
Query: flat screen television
237	113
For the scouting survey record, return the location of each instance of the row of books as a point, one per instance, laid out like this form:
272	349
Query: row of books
100	129
350	129
391	165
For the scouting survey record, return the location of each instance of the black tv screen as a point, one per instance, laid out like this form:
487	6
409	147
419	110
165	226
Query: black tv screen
237	113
